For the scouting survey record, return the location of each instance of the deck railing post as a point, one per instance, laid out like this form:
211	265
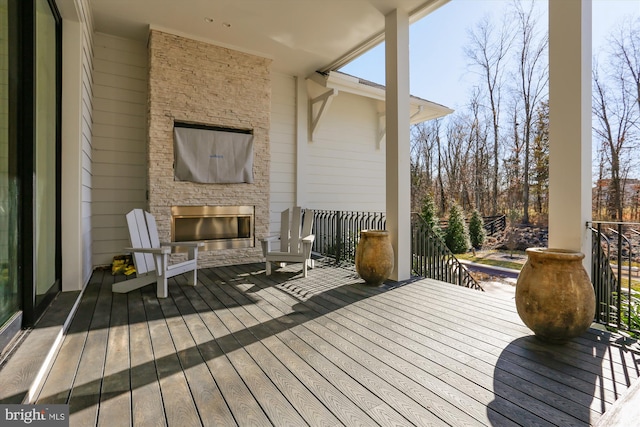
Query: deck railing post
338	216
596	273
619	290
629	300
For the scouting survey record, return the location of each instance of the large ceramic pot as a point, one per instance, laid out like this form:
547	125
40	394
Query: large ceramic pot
374	256
554	295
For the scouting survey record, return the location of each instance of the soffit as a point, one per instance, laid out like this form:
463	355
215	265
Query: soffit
301	36
420	109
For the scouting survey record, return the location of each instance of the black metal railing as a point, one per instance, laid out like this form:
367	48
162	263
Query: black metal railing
493	224
337	234
432	258
614	272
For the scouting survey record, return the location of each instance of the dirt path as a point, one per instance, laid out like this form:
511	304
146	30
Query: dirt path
500	286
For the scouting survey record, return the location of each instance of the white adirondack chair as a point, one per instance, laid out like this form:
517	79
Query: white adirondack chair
151	258
295	240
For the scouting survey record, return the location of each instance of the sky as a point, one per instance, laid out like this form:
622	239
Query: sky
439	70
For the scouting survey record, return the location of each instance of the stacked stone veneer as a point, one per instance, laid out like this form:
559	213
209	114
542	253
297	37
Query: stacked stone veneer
195	82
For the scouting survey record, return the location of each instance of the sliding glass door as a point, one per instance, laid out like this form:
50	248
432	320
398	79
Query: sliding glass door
9	291
45	192
30	84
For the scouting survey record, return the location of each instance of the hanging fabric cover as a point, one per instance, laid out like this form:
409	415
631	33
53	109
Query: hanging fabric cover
212	156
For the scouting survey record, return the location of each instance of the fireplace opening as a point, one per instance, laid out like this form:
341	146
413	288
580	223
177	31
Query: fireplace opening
219	227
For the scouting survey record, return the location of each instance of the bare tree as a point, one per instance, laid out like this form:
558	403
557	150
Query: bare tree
487	50
532	78
616	108
625	45
513	162
540	181
635	203
478	136
599	196
439	181
454	156
614	113
423	145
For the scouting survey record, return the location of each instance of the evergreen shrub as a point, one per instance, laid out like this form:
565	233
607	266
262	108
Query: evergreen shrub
476	229
429	216
457	235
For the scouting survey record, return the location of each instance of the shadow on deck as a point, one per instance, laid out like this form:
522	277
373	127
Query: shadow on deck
242	348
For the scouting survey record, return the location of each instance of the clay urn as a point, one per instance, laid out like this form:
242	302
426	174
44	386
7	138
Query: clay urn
554	295
374	256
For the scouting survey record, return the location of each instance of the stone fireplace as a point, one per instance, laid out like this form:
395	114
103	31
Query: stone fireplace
194	82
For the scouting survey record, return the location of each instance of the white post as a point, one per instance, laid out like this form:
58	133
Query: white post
570	126
398	188
302	140
71	220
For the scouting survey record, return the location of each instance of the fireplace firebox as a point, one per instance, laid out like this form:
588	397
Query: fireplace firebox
219	227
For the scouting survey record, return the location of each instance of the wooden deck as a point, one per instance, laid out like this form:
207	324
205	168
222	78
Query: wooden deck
245	349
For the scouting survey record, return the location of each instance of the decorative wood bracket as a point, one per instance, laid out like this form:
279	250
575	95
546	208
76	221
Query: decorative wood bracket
382	130
318	107
420	110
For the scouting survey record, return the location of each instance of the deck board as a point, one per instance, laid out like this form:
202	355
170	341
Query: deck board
354	391
242	348
84	400
115	395
410	349
439	362
285	378
146	399
369	350
177	400
207	395
58	386
238	345
245	409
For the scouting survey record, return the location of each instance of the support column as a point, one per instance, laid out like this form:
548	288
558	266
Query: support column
302	140
398	187
71	216
570	126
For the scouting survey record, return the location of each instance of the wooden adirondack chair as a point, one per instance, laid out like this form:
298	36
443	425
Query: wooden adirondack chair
151	258
295	240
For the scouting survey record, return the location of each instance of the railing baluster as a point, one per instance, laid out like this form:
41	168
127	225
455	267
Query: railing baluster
615	307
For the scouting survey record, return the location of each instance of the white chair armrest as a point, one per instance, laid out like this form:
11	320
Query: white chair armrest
307	242
266	243
183	244
165	250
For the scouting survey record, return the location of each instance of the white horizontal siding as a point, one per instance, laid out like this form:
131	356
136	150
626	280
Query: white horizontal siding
119	141
106	170
282	138
345	170
86	18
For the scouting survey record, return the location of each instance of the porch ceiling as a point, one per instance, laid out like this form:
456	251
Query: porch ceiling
301	36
